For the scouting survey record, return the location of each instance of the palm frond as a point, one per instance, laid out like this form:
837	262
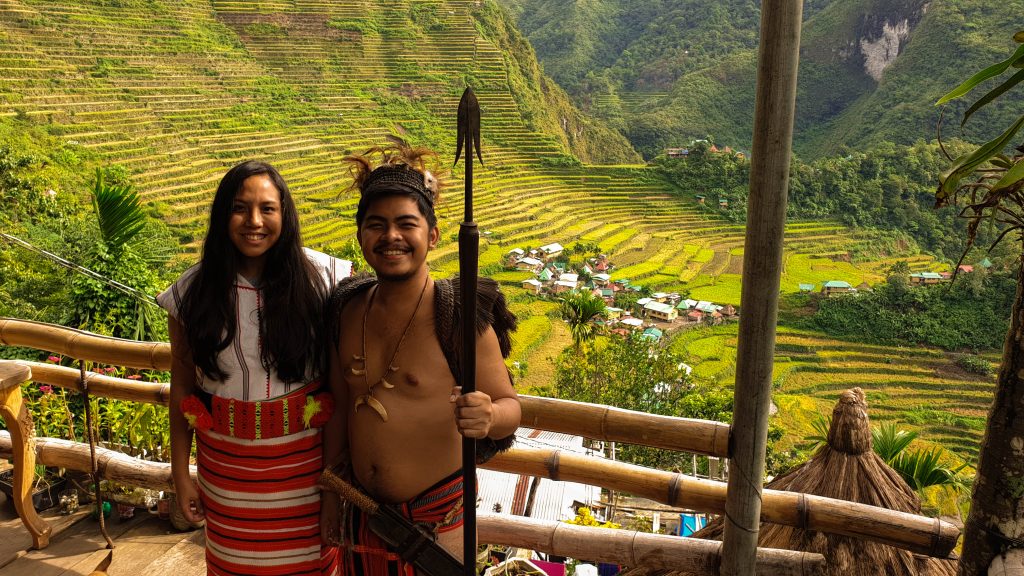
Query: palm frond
118	212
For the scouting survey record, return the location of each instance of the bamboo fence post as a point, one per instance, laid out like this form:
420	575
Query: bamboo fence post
778	58
22	434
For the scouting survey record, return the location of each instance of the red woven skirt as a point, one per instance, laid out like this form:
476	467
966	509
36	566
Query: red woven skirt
263	505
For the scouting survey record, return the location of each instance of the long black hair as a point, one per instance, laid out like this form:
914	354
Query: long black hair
293	291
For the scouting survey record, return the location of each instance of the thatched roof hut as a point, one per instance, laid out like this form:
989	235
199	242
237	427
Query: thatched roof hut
847	468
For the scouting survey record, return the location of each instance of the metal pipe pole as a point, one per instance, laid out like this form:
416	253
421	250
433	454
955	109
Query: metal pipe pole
778	57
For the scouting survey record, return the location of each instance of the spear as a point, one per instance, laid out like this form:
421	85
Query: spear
469	257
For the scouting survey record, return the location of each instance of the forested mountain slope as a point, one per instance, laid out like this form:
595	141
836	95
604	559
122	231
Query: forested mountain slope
667	72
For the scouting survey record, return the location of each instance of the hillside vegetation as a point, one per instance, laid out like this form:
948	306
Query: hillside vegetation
870	70
174	92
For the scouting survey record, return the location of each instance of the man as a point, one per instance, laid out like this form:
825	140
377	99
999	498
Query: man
401	417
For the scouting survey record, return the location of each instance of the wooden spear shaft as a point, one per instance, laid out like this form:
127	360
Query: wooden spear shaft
469	255
762	266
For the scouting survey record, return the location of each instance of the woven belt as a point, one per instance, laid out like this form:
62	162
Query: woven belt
296	411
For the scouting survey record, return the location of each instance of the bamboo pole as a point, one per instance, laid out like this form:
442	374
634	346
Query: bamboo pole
775	102
617	425
918	534
112	465
634	549
85	345
99	384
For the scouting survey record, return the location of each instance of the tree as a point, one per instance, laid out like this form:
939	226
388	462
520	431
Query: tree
122	252
990	185
636	373
580	310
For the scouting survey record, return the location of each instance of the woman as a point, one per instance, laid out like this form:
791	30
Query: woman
245	326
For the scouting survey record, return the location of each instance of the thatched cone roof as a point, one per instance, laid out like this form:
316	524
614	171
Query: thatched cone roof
847	468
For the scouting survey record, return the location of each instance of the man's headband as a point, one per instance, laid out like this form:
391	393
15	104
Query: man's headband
403	178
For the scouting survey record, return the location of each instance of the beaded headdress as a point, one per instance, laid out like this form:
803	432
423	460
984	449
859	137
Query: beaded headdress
402	177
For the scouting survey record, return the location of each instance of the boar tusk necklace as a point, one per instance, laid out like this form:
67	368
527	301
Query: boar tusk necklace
368	399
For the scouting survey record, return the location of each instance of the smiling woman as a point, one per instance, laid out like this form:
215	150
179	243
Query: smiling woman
245	326
255	223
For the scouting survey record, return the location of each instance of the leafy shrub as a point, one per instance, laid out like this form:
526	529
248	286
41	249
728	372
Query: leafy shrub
975	364
266	30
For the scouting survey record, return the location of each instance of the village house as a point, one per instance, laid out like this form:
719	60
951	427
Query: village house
661	311
677	152
600	279
925	278
528	264
806	287
562	286
652	333
966	268
545	276
532	285
552	250
700	199
837	287
568	277
612	313
516	253
659	296
694	316
631	323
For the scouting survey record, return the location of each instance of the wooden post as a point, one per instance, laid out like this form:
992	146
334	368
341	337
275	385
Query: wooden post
19	423
762	266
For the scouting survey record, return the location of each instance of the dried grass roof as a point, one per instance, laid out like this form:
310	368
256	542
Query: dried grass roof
846	468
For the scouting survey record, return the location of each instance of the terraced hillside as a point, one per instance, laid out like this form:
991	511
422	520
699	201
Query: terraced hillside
919	388
177	90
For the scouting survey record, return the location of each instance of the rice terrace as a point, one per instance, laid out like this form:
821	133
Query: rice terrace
165	95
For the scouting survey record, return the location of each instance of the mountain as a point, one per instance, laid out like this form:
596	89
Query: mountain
668	72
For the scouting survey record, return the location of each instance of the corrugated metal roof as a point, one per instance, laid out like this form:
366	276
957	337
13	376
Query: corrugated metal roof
554	499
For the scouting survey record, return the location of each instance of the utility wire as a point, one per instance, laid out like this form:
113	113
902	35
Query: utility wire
138	295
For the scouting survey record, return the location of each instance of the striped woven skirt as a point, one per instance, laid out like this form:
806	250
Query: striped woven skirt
438	508
263	504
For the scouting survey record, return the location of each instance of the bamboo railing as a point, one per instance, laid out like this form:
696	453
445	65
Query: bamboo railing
651	551
908	531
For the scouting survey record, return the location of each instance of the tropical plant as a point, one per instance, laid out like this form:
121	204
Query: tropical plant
123	254
924	468
889	441
580	310
990	183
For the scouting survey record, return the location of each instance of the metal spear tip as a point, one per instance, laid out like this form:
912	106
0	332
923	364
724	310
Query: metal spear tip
469	125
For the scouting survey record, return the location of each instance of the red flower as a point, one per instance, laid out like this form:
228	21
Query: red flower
54	359
196	413
134	377
46	389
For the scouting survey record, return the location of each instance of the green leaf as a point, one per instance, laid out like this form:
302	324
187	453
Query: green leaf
949	180
1012	176
990	72
993	94
118	211
1019	37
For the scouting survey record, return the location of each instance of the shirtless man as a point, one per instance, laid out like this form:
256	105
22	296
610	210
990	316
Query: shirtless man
400	417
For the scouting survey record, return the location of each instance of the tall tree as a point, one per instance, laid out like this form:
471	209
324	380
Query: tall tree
990	185
580	309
